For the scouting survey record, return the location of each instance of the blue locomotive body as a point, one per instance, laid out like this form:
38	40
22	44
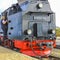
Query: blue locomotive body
28	16
15	26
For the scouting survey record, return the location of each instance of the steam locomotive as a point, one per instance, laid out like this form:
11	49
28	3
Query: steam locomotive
31	28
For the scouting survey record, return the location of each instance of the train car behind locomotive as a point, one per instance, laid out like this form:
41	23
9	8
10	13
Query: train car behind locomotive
31	27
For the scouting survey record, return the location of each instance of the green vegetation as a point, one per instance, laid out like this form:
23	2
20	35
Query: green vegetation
58	31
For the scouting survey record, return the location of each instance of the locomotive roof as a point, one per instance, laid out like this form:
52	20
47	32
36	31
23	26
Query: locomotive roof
30	8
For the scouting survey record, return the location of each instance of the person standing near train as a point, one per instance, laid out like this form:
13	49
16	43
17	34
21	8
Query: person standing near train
4	26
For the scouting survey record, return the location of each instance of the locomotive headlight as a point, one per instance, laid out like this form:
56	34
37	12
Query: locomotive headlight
53	31
12	8
29	31
40	5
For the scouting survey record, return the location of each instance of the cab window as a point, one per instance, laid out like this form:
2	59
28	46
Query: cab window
14	9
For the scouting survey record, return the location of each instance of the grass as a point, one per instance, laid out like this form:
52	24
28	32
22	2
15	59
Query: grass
58	32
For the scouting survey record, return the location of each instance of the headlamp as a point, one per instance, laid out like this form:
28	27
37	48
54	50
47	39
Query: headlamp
53	31
40	5
29	31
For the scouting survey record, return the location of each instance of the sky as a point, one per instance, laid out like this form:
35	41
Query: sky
55	6
4	4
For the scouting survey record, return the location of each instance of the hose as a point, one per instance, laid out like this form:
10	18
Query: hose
37	55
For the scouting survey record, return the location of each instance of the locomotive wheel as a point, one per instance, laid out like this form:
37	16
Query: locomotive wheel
11	44
0	41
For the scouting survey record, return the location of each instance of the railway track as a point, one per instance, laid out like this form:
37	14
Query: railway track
49	58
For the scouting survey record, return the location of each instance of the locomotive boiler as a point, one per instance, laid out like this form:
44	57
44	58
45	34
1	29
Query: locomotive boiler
31	27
